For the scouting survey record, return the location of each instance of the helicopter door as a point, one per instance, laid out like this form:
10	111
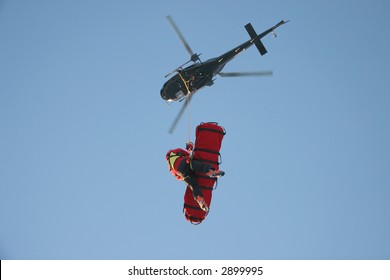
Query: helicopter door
179	95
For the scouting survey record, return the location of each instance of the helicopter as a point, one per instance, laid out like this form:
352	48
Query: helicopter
188	80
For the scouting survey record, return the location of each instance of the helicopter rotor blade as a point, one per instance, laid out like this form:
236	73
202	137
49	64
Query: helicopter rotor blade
177	69
175	122
184	42
245	74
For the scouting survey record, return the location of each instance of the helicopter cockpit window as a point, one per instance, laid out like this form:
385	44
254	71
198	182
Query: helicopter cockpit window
179	95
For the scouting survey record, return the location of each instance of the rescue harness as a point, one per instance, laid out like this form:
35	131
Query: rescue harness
174	157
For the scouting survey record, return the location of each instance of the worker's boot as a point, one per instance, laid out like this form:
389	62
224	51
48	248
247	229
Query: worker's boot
202	203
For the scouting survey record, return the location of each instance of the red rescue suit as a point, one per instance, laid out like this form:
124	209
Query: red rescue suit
174	158
184	168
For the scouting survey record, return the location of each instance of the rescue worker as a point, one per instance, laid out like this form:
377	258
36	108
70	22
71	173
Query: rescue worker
183	167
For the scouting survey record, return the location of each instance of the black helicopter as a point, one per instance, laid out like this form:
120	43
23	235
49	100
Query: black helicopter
200	74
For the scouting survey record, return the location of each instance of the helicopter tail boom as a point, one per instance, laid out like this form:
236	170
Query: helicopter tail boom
252	33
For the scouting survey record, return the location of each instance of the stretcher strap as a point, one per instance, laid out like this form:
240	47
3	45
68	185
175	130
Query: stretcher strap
206	177
192	207
209	161
194	220
206	188
211	130
210	152
207	151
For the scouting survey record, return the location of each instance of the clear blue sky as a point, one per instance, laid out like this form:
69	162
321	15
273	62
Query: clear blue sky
84	130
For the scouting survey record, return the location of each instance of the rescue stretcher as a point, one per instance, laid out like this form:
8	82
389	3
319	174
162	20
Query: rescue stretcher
208	143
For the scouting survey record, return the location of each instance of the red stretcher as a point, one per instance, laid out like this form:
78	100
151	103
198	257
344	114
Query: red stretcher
207	146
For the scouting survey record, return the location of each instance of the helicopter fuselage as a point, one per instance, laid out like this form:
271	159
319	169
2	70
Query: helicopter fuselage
200	74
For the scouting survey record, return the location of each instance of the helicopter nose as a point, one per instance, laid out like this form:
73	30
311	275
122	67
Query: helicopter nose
163	95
